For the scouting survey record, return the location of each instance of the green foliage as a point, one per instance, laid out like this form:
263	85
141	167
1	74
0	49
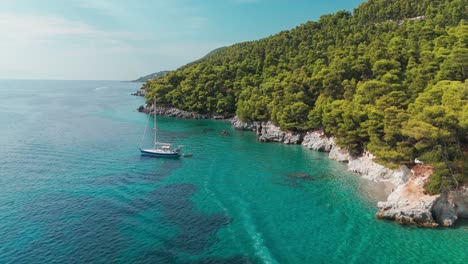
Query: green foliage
436	126
389	78
439	181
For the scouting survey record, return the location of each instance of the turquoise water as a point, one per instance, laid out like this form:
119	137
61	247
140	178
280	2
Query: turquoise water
74	189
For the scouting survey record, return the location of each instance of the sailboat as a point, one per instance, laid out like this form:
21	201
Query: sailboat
159	149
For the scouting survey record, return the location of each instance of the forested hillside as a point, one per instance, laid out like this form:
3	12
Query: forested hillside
389	77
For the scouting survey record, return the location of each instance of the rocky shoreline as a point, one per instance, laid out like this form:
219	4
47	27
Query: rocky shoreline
407	203
177	113
140	92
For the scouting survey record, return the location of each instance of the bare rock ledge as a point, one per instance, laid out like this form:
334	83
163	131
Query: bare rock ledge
177	113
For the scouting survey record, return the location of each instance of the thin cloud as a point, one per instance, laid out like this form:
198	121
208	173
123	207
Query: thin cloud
171	19
105	6
246	1
37	27
39	46
108	8
29	42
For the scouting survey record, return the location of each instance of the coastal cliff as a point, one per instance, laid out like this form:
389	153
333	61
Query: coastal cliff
408	203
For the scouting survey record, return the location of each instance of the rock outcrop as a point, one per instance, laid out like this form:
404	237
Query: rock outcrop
268	132
177	113
450	206
409	204
366	167
140	92
241	125
173	112
339	154
318	141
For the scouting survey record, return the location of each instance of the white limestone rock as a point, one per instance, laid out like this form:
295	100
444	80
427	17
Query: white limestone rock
318	141
293	138
241	125
140	92
339	154
366	167
174	112
409	204
269	132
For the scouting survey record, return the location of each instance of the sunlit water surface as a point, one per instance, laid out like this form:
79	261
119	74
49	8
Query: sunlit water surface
74	189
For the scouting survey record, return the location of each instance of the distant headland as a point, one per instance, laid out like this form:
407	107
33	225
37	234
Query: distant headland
151	76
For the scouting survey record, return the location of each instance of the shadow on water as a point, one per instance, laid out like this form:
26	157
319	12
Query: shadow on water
163	256
231	260
74	229
462	223
293	179
83	229
299	175
156	256
134	176
196	231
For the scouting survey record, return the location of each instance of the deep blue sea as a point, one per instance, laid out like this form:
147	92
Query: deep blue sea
74	189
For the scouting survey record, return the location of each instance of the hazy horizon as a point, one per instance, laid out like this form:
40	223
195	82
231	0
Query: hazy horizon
119	40
91	80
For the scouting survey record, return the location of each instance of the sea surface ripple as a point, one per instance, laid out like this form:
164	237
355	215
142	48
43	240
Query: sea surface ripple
74	189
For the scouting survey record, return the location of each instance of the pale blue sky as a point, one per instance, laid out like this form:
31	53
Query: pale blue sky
122	40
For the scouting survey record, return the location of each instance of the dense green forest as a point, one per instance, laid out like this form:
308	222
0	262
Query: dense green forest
389	77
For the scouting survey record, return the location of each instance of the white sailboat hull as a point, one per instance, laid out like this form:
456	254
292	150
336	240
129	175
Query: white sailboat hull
163	153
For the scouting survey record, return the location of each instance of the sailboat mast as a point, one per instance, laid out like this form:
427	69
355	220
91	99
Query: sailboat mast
154	122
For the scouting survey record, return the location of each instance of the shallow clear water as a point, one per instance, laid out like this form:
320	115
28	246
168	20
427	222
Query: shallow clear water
74	188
